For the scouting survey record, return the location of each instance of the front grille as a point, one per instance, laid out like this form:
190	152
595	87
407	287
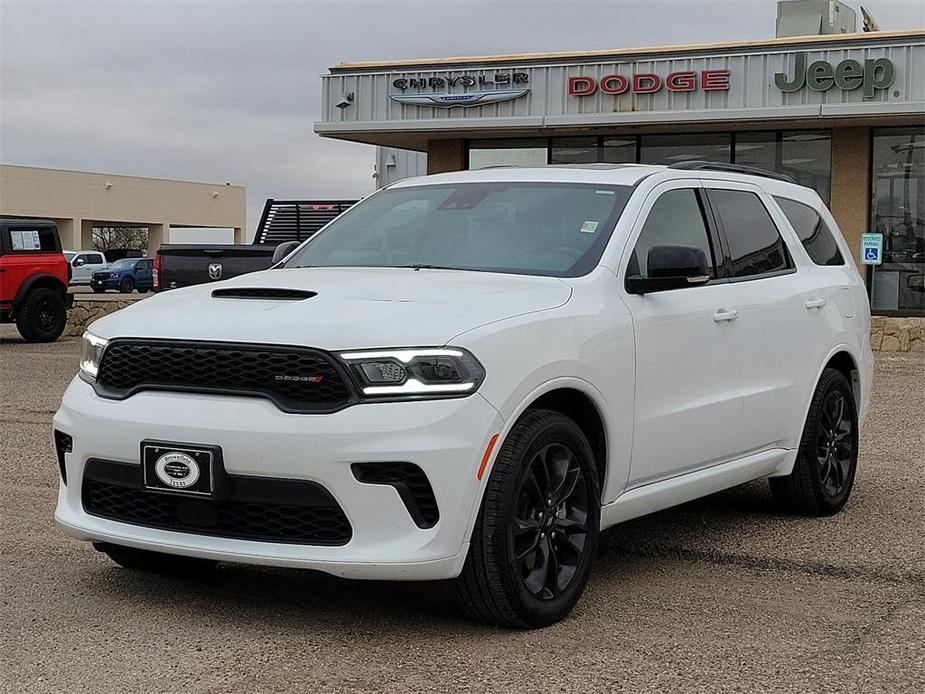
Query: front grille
297	379
262	509
412	486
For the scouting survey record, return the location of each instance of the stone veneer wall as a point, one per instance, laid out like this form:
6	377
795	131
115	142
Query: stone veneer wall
87	308
887	334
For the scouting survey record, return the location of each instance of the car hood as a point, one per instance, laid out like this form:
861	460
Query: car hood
353	308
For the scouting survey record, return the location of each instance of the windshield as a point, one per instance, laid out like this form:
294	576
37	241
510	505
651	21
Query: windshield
125	264
553	229
69	255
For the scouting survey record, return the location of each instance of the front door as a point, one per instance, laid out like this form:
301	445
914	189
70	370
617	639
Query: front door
688	400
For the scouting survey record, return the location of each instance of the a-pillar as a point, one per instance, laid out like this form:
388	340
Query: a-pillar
157	234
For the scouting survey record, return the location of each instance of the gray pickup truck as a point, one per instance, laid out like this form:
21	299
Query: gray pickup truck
282	221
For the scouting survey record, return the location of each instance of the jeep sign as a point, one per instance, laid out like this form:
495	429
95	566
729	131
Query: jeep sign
820	76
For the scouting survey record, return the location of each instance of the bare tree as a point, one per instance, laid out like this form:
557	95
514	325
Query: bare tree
105	238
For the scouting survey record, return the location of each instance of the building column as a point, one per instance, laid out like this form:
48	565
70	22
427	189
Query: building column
850	199
446	155
86	234
69	239
157	234
239	235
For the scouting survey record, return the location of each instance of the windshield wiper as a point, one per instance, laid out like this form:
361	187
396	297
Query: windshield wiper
424	266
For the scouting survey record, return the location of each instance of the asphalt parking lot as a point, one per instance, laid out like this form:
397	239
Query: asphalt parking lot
723	594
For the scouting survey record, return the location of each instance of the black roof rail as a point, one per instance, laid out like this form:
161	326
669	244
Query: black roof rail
732	168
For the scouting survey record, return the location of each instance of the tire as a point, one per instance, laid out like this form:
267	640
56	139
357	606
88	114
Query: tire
127	286
156	562
42	316
824	472
530	591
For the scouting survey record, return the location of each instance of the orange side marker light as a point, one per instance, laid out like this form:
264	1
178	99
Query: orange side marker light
491	445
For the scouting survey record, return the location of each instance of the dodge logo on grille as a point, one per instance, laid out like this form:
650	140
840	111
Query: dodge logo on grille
300	379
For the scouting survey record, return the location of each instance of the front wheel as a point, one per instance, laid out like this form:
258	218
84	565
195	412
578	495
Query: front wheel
823	474
537	531
127	286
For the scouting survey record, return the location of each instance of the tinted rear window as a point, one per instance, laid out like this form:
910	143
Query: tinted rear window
755	245
812	231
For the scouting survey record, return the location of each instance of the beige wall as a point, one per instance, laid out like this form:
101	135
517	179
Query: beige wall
850	203
77	200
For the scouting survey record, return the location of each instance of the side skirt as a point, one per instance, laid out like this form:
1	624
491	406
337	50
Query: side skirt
693	485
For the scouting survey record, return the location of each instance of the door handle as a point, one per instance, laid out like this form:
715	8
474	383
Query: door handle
814	303
722	315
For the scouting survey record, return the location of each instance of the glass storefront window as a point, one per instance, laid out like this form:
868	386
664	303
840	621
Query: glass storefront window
574	150
671	149
526	152
806	156
898	212
618	150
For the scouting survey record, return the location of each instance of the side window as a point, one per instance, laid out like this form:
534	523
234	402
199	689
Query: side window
38	240
96	258
676	219
755	244
815	236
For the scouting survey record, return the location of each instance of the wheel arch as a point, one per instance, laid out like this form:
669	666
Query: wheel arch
37	281
844	362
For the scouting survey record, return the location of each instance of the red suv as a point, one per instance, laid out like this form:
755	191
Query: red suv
33	279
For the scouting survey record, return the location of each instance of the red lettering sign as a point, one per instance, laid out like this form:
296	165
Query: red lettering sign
646	83
614	84
581	86
681	81
714	80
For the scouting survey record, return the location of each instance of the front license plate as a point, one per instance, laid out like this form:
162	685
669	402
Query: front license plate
178	468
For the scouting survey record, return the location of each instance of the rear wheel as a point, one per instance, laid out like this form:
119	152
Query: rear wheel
98	290
141	290
823	474
156	562
537	530
42	316
127	286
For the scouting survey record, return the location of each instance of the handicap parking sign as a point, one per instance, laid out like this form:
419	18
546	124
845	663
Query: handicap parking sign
872	249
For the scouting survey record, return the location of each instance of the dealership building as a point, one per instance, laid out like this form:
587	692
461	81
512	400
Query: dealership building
843	114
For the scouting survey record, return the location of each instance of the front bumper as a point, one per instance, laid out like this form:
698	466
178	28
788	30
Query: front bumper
107	283
445	438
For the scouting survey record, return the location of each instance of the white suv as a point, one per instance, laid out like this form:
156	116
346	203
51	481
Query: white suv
468	376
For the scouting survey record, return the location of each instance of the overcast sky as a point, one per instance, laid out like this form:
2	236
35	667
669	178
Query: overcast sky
228	91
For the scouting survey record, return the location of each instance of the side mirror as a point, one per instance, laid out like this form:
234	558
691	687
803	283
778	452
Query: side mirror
670	267
284	249
78	262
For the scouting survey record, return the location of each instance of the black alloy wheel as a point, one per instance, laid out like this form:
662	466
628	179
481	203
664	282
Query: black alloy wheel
826	464
550	527
536	534
834	448
127	285
43	315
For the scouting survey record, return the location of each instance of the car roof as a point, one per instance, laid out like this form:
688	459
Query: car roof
601	174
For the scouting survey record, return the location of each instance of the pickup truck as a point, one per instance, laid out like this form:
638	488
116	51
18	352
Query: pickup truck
282	221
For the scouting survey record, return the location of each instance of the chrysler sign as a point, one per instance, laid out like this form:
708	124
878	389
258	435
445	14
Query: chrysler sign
487	92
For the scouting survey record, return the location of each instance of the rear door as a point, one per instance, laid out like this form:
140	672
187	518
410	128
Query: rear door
143	279
782	315
688	354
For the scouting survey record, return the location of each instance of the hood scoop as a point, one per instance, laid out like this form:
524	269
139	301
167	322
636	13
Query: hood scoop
263	293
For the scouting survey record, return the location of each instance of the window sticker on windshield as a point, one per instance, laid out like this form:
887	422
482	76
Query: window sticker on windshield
588	227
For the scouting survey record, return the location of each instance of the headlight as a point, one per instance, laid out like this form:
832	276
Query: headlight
415	373
91	353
